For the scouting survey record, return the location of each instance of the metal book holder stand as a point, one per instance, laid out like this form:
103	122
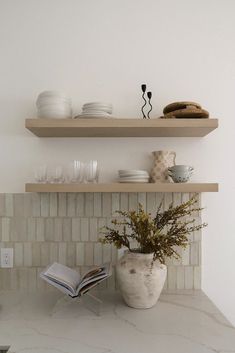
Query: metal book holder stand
89	301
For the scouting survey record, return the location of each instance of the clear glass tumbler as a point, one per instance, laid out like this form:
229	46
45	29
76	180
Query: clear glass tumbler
40	174
91	172
76	172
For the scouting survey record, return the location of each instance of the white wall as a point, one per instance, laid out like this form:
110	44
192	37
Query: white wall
183	50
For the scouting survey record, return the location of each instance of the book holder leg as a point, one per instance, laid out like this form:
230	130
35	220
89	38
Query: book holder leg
89	301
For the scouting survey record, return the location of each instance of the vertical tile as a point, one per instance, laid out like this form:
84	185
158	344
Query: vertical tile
71	204
168	198
27	205
63	253
53	206
36	205
151	202
177	199
185	256
80	254
185	197
197	277
62	209
53	252
124	201
97	254
89	254
159	200
111	282
45	254
102	222
115	203
107	253
5	229
97	204
18	229
28	254
40	229
180	277
58	229
76	232
89	204
172	277
106	204
41	284
44	204
197	236
133	201
142	199
31	229
67	229
71	254
84	229
18	254
2	205
194	254
197	204
18	200
93	229
49	231
80	203
188	277
6	278
9	209
36	254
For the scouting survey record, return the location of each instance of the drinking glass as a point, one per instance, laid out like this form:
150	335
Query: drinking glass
40	174
56	175
76	169
91	172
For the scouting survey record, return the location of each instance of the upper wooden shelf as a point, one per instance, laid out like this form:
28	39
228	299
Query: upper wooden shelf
124	187
121	127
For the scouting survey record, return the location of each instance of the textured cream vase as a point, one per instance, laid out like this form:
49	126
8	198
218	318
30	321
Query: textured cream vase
162	161
140	279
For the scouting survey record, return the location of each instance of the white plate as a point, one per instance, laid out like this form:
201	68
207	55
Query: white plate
133	171
98	104
134	181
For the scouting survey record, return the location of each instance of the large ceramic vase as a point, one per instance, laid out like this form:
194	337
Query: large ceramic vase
140	279
162	161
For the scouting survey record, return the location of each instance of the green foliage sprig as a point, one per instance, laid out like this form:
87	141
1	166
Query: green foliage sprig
160	235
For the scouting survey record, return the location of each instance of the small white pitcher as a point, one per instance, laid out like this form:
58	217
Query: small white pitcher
162	161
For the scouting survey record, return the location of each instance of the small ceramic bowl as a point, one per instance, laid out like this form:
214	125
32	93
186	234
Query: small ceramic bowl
180	173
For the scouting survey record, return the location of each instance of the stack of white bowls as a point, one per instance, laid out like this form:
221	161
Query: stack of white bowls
96	110
133	176
54	104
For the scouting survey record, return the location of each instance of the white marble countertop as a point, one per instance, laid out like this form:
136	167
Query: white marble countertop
181	322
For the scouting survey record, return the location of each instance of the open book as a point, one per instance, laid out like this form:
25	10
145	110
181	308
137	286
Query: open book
70	282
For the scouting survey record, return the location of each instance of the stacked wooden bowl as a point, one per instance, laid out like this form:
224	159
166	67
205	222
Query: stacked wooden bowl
184	110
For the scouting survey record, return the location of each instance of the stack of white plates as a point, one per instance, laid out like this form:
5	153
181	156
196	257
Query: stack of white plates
96	110
54	104
133	176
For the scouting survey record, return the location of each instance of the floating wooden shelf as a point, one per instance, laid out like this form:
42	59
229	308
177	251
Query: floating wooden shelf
124	187
121	127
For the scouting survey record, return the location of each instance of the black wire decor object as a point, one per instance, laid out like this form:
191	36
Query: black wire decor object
149	95
143	87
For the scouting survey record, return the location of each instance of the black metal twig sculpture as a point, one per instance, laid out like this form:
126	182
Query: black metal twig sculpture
143	87
149	95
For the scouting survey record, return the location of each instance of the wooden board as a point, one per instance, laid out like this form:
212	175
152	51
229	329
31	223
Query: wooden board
121	127
121	187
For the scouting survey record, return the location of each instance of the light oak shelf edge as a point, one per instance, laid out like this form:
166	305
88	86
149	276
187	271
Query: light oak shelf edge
121	127
124	187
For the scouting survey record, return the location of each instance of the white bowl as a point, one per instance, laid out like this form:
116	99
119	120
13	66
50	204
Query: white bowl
54	115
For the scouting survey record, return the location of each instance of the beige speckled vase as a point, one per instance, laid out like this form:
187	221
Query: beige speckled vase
140	279
162	161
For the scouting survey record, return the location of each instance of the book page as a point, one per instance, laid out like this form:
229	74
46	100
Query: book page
63	274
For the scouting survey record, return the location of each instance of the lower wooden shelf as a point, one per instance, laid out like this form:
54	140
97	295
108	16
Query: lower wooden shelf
124	187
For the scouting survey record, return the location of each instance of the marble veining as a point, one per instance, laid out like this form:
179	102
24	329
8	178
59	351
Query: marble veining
182	321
